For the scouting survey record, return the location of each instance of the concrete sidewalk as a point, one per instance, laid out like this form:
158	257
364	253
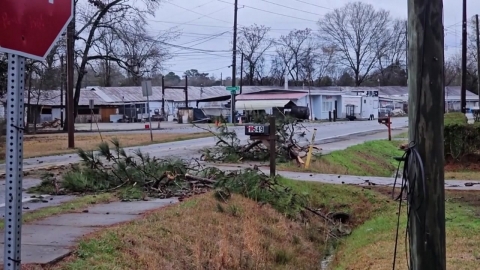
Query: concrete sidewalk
53	238
349	179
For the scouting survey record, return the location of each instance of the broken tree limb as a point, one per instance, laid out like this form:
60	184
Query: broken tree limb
199	179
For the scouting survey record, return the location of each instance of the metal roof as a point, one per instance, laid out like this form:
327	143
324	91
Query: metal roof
52	98
287	96
114	95
134	93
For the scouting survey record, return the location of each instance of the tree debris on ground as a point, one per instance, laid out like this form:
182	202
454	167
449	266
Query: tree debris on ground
139	176
291	144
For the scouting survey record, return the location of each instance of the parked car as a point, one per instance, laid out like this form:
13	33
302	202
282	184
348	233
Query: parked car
384	113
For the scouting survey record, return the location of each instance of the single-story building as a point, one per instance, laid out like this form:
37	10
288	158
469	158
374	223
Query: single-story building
112	103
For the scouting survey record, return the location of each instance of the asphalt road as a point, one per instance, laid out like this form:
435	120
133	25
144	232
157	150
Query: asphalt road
190	148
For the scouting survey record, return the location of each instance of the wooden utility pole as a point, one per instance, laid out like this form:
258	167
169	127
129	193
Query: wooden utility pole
234	60
62	85
478	59
241	73
463	94
426	114
406	48
70	83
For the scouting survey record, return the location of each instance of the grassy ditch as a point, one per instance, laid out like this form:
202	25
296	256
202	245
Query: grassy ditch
240	233
371	245
373	158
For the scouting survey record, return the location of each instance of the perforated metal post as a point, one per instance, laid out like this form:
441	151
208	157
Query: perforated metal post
14	162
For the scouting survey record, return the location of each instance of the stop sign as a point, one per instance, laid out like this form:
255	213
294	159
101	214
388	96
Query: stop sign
31	28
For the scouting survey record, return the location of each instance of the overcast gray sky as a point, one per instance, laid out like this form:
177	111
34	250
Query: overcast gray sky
207	25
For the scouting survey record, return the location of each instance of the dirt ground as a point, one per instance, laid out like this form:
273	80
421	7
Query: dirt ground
53	144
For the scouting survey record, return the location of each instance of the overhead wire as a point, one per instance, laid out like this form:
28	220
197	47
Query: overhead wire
207	16
271	12
291	8
315	5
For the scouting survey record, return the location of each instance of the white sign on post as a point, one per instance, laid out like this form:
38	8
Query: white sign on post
91	104
147	92
147	88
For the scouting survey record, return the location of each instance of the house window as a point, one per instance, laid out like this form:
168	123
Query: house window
327	106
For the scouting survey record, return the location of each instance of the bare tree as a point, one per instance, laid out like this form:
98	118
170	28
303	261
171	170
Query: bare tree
107	45
291	49
96	15
253	41
141	54
277	70
324	62
472	57
392	54
3	74
360	33
452	69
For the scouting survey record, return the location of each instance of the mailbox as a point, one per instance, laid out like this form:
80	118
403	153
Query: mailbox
384	120
257	130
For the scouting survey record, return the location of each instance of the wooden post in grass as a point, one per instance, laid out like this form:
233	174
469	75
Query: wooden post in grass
273	148
310	150
426	113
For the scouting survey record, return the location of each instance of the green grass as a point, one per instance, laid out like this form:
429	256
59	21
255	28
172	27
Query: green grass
455	118
130	244
372	243
373	158
403	135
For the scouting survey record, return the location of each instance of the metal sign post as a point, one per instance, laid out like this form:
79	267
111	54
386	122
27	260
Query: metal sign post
19	38
14	162
147	92
233	90
91	105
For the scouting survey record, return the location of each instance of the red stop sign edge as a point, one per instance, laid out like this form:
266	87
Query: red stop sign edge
42	58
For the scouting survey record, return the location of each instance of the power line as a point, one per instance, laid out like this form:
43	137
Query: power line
197	13
204	39
259	9
312	4
203	16
280	5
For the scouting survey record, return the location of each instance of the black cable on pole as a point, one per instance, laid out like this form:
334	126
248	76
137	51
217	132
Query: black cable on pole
413	174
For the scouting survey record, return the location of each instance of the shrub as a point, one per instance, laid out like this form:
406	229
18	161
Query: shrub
455	118
461	138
